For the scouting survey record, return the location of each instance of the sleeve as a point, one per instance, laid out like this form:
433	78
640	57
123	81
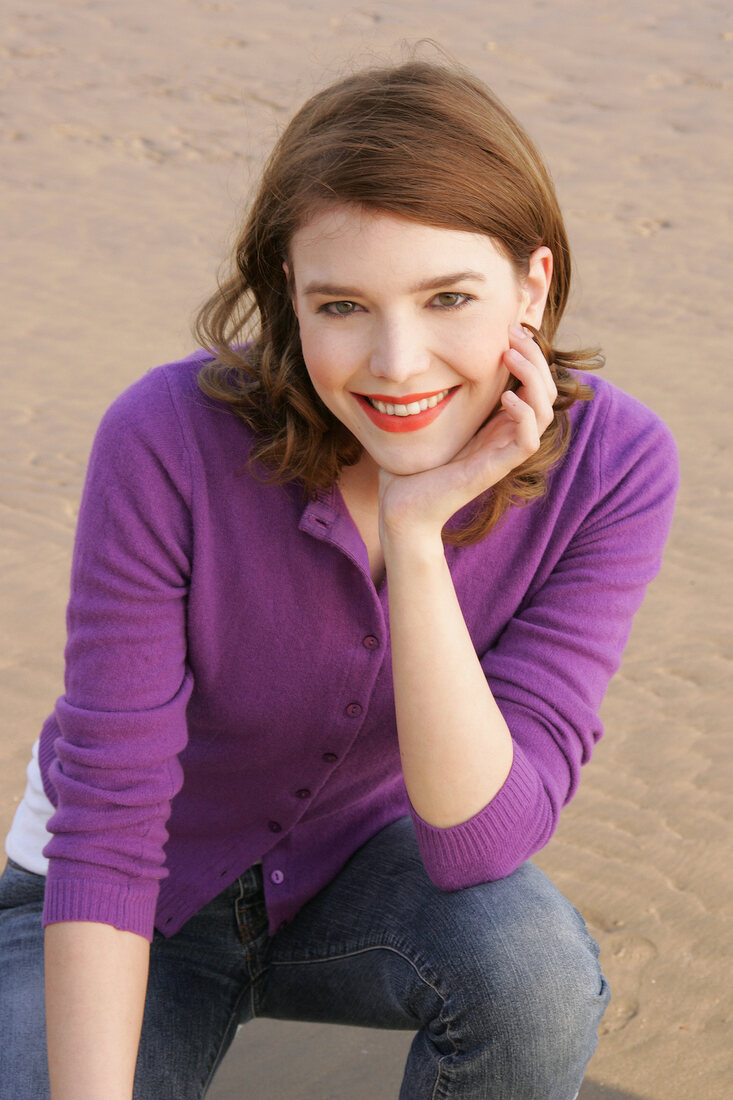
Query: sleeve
109	752
550	669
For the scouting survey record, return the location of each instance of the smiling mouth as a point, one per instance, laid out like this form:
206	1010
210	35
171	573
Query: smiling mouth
417	403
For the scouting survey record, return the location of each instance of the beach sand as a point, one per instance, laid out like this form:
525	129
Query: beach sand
131	134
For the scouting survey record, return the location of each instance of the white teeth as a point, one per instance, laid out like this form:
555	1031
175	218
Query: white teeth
412	408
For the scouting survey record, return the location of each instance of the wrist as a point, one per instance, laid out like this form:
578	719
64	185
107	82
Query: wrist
413	548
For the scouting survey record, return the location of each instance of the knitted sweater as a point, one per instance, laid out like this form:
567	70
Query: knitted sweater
228	692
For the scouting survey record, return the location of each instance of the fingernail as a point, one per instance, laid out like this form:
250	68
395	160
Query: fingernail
518	332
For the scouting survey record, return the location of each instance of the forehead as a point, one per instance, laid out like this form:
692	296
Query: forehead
345	240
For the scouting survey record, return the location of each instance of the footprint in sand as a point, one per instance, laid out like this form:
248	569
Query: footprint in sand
624	957
647	227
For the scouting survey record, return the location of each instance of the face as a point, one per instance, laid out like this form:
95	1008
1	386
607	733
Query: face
403	328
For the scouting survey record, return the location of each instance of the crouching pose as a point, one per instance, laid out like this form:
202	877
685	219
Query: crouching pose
349	585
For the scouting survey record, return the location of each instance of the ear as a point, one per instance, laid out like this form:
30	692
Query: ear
536	286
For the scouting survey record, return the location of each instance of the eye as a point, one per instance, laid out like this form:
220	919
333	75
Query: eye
451	299
338	309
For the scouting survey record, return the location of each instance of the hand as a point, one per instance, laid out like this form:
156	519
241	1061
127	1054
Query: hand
421	504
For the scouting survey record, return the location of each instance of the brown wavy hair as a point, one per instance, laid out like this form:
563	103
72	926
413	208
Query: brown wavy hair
423	141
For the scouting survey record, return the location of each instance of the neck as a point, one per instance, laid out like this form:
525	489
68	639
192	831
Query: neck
360	489
360	483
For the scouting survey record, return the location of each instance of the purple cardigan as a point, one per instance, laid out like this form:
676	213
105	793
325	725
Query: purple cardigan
228	681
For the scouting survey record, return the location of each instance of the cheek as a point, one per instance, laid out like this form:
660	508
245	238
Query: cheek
322	370
328	359
314	353
483	362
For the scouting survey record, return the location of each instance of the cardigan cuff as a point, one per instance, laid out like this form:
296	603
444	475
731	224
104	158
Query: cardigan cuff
495	841
129	907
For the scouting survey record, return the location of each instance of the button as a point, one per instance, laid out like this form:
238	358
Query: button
354	710
370	642
277	877
274	826
303	793
330	757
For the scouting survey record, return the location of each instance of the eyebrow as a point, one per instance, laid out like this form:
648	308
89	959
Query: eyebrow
331	290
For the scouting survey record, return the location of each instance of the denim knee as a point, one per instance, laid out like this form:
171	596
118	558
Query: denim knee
521	984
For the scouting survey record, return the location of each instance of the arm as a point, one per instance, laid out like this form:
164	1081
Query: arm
455	746
109	753
110	750
95	993
550	667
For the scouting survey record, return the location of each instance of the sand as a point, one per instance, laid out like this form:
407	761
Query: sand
130	136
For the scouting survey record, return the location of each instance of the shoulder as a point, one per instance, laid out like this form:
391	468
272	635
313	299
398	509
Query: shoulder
621	437
164	431
621	467
613	410
167	411
158	395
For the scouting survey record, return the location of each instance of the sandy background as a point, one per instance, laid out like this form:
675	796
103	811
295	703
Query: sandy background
130	134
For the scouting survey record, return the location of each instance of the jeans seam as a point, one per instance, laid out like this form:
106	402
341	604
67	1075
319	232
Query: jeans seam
360	951
415	967
249	944
216	1061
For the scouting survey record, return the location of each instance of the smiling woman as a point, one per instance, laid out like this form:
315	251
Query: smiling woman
387	142
328	686
398	340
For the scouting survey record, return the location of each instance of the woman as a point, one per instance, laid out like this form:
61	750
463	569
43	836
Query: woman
348	588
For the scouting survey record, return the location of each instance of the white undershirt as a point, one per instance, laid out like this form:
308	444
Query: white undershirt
28	835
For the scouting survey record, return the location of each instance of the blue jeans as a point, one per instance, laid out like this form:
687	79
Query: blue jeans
500	982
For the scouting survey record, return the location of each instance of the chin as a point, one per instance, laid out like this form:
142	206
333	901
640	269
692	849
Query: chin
404	466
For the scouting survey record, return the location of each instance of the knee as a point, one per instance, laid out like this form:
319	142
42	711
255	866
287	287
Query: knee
549	994
525	981
542	1009
540	973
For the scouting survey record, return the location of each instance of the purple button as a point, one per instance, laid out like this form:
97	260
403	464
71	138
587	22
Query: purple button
303	793
277	877
274	826
370	642
330	757
354	710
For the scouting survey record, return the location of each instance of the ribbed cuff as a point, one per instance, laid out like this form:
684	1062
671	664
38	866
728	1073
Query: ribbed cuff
493	843
130	907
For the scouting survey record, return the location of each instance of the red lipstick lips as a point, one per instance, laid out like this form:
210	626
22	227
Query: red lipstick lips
403	399
392	422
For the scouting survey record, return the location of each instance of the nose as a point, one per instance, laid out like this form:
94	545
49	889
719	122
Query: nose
398	350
